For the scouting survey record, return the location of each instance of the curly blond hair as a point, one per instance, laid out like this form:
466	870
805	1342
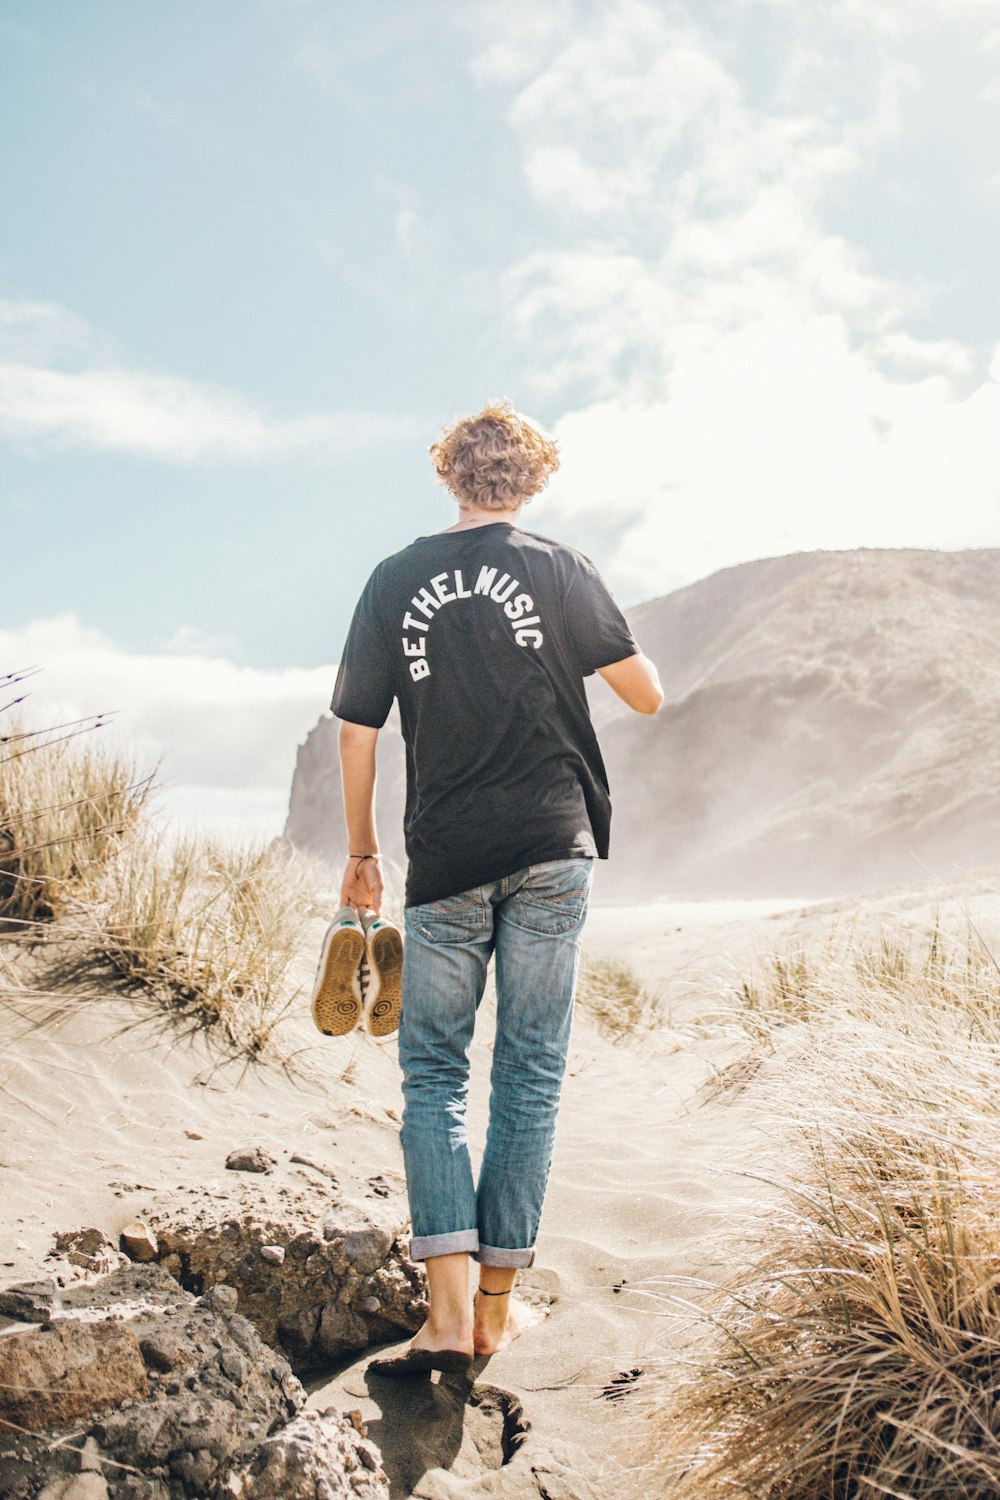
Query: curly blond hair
495	460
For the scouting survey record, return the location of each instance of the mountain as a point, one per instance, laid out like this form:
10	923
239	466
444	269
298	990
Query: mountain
832	724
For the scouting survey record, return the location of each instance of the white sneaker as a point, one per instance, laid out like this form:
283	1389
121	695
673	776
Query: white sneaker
337	1002
384	1000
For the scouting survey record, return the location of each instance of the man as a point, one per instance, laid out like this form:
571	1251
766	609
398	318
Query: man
484	634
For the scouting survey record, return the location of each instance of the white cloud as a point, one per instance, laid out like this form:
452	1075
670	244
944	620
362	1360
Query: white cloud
778	439
743	382
114	408
225	736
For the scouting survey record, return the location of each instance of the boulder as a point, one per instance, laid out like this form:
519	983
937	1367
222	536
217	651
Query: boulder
68	1372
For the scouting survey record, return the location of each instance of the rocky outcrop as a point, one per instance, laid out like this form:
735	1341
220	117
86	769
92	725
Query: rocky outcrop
305	1461
831	726
168	1397
313	1288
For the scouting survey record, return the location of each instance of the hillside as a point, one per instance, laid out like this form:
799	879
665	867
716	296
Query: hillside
831	725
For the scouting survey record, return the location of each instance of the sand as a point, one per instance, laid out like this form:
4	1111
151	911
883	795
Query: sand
109	1110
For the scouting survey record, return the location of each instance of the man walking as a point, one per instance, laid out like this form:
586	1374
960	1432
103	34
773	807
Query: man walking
484	634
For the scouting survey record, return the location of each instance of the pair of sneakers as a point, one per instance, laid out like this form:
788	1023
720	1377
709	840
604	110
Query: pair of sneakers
356	941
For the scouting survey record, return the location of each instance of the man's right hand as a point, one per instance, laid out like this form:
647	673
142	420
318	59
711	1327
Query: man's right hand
362	885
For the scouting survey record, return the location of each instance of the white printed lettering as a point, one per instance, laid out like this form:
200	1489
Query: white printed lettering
437	584
516	608
485	580
415	648
499	594
426	603
420	669
461	592
529	637
409	623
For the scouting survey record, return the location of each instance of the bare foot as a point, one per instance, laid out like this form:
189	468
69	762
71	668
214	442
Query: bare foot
500	1320
429	1339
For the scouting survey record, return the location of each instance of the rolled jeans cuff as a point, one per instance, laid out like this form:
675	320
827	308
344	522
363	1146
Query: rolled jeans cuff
490	1255
423	1246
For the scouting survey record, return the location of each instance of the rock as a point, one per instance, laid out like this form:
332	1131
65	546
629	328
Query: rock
355	1265
194	1135
221	1299
70	1371
160	1353
313	1458
138	1242
90	1249
250	1159
229	1421
340	1330
29	1301
87	1486
367	1248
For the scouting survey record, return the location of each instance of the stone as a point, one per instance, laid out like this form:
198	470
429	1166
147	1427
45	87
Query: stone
221	1299
29	1301
340	1330
361	1271
87	1486
367	1248
159	1352
68	1372
90	1249
139	1242
250	1159
312	1458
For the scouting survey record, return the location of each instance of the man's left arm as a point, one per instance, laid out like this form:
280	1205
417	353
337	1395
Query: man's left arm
362	883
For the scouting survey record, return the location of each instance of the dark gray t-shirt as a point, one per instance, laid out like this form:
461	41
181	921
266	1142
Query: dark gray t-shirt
485	636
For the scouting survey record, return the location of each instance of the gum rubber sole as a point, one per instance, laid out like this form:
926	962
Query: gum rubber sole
385	1005
336	1006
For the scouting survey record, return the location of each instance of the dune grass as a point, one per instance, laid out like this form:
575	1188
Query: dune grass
210	929
203	927
63	807
617	999
855	1349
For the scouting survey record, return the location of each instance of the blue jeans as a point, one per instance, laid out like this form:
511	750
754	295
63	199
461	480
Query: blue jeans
532	922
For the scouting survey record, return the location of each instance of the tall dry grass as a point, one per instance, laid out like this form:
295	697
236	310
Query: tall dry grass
63	806
210	929
855	1347
617	998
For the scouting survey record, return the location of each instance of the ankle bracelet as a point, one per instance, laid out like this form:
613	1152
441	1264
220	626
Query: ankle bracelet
485	1293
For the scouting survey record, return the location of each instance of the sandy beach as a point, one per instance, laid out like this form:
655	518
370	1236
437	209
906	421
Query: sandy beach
112	1114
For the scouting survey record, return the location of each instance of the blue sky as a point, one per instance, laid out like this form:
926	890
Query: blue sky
740	256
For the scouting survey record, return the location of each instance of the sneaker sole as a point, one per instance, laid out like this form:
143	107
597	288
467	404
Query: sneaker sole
336	1005
385	953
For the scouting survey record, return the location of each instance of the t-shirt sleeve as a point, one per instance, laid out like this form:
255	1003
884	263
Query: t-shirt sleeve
364	689
598	631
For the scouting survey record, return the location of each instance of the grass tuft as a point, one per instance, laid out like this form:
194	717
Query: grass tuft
63	809
618	1000
856	1350
203	927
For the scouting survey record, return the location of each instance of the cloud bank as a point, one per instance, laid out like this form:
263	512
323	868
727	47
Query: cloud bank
224	736
737	379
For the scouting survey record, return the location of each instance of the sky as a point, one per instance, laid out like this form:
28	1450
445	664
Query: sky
739	256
